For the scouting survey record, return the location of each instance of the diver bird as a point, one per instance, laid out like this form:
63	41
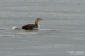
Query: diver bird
30	26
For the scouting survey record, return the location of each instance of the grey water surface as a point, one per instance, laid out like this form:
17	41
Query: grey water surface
61	33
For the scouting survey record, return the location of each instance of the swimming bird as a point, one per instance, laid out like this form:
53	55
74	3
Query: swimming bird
30	26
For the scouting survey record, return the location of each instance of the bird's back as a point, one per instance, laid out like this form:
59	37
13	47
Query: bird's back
29	26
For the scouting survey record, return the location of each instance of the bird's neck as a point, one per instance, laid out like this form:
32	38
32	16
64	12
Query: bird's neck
36	22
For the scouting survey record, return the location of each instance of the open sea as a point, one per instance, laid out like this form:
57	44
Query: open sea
61	33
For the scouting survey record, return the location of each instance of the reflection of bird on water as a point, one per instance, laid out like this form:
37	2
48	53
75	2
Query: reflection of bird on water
30	26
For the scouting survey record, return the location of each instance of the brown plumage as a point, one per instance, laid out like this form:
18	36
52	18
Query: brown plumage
32	26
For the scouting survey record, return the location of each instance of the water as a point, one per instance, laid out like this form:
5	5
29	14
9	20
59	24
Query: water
62	33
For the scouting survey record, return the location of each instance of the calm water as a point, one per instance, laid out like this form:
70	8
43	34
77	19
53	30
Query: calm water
62	33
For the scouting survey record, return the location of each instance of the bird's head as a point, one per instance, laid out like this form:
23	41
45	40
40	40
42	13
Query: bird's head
39	19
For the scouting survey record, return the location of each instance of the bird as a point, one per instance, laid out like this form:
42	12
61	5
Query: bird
30	26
